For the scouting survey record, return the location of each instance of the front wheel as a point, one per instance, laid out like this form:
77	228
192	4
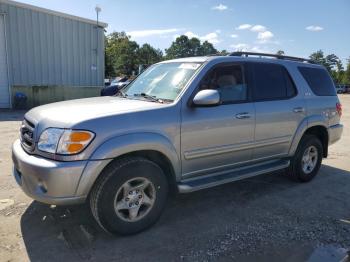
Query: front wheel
307	159
130	196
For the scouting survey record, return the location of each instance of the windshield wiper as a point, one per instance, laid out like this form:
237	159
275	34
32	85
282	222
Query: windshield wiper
121	93
149	97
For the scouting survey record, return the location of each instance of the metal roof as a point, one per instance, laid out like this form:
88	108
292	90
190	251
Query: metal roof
52	12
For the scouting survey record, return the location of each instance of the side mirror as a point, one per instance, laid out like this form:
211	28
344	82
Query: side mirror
207	97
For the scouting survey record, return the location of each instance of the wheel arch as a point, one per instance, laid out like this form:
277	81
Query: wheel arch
160	159
322	133
151	146
314	125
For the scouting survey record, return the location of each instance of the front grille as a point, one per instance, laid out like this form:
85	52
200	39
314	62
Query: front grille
27	135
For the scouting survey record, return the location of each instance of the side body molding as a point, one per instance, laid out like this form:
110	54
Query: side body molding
310	121
124	144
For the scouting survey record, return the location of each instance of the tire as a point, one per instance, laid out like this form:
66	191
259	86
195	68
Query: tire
113	205
296	171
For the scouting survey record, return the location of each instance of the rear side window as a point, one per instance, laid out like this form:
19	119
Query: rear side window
272	82
318	80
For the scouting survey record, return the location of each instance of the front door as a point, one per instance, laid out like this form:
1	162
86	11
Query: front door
215	139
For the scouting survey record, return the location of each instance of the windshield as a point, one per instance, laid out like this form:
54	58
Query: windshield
162	81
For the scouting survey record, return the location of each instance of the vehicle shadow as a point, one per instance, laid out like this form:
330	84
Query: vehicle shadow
193	224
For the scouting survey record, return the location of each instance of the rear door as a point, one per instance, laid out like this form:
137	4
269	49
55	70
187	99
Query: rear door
279	110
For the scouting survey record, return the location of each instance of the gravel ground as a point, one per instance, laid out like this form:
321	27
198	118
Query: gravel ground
265	218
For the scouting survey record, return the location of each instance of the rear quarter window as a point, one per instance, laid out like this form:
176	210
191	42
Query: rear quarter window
319	81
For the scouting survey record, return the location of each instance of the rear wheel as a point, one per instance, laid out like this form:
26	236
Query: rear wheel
307	159
130	195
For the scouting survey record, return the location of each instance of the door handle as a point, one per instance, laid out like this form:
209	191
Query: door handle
243	115
299	110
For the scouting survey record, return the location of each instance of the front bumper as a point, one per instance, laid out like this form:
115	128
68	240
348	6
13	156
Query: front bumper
334	133
45	180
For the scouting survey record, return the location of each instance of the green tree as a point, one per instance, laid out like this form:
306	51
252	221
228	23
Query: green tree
195	47
329	61
346	77
319	58
224	52
332	63
181	47
207	49
280	52
338	73
122	54
185	47
109	70
335	66
148	55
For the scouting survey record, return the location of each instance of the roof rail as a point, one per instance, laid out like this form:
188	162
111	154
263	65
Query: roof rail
293	58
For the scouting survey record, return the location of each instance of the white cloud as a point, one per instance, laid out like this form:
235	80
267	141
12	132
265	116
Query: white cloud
265	36
258	49
314	28
243	27
211	38
219	7
153	32
258	28
190	34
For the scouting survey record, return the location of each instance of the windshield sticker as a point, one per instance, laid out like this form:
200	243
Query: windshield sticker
192	66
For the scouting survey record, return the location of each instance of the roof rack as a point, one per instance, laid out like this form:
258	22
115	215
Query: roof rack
293	58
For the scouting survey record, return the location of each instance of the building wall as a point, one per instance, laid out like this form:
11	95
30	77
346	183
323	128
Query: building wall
50	50
4	83
38	95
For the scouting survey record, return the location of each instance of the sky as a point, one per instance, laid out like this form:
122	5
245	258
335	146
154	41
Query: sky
299	27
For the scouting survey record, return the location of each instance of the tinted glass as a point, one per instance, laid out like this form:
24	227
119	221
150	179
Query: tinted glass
229	81
318	80
272	82
164	81
291	89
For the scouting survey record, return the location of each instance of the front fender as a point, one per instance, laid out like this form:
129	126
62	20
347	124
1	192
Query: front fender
123	144
127	143
314	120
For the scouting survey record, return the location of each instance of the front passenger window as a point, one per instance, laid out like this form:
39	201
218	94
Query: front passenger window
229	81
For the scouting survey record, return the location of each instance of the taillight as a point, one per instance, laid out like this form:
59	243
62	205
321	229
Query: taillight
339	109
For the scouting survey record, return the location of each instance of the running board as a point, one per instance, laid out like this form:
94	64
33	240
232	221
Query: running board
198	183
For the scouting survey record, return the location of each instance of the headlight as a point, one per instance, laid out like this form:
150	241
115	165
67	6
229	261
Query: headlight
49	139
64	141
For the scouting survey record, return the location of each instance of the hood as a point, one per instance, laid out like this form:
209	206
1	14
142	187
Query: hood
67	113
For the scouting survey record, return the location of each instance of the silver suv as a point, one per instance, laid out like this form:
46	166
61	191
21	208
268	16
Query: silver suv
182	125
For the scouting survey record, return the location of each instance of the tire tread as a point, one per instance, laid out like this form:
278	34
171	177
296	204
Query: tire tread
293	171
106	174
